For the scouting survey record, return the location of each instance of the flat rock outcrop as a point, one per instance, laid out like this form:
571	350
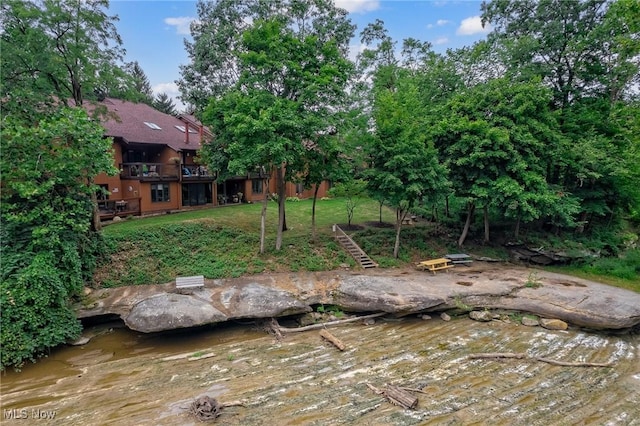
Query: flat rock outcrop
399	292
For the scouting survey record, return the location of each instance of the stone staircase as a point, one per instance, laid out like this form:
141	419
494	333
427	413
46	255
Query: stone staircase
349	245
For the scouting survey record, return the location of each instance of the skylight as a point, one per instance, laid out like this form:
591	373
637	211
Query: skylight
153	126
182	129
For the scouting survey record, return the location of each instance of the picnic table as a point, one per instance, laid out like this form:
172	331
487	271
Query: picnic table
434	265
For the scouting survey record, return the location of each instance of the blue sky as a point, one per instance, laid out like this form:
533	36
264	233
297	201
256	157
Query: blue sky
153	31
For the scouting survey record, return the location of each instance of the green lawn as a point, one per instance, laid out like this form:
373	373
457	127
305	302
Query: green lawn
224	242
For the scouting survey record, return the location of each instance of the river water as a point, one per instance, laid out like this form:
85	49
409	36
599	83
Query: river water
126	378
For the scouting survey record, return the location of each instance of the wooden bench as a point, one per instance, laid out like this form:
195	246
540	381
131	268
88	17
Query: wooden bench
434	265
459	258
197	281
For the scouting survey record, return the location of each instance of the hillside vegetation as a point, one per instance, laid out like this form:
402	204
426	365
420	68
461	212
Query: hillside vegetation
223	242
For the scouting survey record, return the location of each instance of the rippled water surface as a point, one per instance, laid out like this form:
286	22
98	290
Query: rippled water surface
125	378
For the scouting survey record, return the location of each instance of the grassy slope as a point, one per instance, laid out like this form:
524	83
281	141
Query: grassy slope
223	242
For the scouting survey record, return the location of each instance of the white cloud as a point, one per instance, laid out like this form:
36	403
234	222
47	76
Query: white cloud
171	89
472	25
439	23
358	6
182	24
440	40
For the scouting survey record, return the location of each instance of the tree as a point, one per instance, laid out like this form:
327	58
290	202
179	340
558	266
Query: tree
404	164
217	39
59	52
164	103
286	73
588	53
53	53
351	190
64	48
496	137
48	248
141	84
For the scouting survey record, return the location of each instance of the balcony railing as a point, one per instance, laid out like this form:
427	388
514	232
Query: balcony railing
150	171
194	172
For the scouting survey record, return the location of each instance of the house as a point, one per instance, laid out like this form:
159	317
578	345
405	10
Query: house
156	154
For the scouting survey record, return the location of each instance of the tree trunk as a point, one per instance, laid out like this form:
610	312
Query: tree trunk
516	232
400	215
486	223
313	213
281	200
470	209
380	211
446	206
96	225
263	214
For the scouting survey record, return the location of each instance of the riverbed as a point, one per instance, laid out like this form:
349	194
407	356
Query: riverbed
126	378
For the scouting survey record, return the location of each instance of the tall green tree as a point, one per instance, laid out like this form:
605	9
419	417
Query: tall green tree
53	53
164	103
69	49
587	52
48	249
141	86
286	74
496	137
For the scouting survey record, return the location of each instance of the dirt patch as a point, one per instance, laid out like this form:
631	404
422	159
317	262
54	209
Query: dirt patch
377	224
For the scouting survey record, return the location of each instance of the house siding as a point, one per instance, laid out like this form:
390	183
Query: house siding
151	159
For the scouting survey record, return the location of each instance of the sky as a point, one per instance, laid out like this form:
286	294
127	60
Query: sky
153	31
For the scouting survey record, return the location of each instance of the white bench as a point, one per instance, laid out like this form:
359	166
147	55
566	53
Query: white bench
196	281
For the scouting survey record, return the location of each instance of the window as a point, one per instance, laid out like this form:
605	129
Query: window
153	126
196	194
159	192
256	186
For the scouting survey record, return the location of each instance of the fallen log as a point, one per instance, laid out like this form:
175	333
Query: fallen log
540	359
333	339
327	324
396	396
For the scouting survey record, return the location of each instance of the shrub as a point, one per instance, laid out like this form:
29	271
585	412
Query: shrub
36	313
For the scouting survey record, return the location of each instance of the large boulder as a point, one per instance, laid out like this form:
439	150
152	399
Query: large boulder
386	294
257	301
168	311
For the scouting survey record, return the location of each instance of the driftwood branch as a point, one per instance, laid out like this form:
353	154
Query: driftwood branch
540	359
333	339
205	408
497	355
396	396
327	324
574	364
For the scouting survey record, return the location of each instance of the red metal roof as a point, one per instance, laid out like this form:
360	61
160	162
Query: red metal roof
130	125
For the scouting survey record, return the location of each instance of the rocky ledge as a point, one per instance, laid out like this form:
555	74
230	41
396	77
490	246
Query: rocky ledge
578	302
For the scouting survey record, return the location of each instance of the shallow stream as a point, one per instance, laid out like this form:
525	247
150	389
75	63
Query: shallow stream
126	378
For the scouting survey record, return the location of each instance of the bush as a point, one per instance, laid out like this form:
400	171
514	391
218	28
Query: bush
36	313
626	266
